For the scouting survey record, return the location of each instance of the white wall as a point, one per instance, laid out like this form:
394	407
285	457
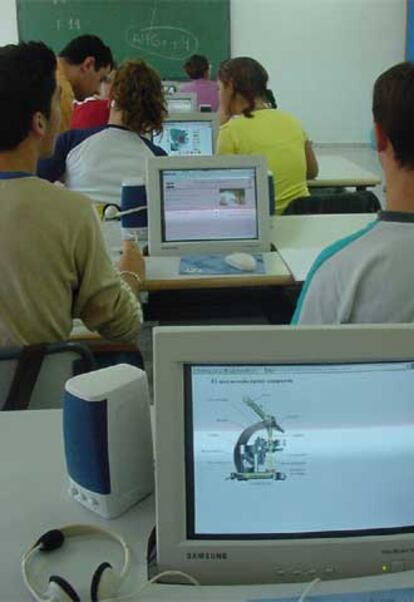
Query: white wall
322	57
8	22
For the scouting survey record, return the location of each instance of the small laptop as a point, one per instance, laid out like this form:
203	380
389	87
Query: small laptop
191	134
207	205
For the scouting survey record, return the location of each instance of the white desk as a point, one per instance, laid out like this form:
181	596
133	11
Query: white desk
300	238
162	272
335	170
33	500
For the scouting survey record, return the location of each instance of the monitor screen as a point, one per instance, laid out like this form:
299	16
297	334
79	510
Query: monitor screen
294	451
179	105
209	204
169	88
186	138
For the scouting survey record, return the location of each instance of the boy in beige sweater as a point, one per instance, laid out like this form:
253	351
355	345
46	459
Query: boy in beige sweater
53	262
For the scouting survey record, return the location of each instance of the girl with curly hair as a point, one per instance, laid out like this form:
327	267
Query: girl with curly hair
95	161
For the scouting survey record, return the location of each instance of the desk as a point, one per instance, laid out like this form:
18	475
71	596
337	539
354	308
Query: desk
300	238
33	500
335	170
162	274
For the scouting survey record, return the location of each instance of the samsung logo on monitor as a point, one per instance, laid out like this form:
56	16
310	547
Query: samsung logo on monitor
206	556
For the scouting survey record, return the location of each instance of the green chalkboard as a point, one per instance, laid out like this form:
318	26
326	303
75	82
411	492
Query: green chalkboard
164	32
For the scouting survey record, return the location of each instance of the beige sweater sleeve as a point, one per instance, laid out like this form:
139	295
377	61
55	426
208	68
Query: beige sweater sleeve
103	300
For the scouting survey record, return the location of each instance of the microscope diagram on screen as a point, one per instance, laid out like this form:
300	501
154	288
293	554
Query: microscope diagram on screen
254	455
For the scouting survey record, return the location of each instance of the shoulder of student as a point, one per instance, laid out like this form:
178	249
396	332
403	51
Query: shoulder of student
156	150
72	138
56	195
329	275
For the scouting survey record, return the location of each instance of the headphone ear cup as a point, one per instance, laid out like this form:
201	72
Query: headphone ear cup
105	582
60	590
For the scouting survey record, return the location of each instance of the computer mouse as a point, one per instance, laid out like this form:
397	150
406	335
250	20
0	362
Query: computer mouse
241	261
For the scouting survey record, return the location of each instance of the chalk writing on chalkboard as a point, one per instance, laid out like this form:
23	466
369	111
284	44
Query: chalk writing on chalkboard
163	41
69	24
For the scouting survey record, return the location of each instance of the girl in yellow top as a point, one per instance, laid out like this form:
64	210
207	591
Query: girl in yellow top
250	127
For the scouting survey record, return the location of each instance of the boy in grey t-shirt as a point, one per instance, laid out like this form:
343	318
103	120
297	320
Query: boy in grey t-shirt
368	277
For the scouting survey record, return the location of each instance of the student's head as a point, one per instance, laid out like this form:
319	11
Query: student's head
197	66
137	94
29	97
90	62
242	81
393	109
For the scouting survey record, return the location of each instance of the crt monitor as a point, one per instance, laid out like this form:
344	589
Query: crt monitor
182	102
284	453
207	205
191	134
169	87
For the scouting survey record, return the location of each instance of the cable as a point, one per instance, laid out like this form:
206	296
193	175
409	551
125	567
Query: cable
111	212
307	589
135	595
190	578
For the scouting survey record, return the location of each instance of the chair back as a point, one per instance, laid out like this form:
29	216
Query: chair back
343	202
34	376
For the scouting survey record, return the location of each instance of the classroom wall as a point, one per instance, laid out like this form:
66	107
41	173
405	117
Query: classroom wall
322	57
8	22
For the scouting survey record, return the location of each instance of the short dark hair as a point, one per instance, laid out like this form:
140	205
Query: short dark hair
393	109
81	47
27	84
196	66
249	79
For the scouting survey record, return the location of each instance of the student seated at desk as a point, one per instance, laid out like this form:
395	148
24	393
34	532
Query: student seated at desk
197	68
95	161
251	127
54	265
82	66
93	111
368	277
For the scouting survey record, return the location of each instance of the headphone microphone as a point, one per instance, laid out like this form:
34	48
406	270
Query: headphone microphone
49	541
112	212
106	581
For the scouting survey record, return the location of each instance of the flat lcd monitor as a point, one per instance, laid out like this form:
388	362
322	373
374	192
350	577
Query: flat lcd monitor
192	134
201	205
182	102
284	453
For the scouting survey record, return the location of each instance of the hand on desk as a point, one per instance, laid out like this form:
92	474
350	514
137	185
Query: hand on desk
132	260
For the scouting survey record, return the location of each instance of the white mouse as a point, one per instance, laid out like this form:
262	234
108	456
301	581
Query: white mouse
241	261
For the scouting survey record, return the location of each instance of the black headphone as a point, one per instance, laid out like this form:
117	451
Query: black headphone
105	580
